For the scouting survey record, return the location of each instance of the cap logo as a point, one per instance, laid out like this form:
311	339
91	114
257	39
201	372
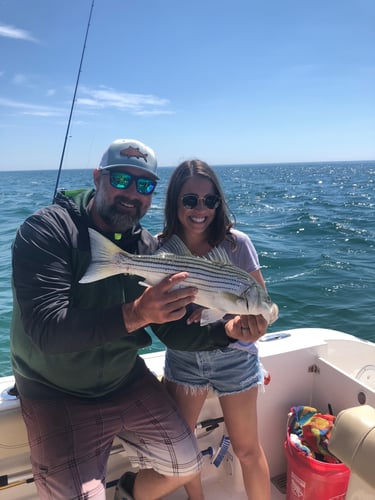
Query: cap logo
130	151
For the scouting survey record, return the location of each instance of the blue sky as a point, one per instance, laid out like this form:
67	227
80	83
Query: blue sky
227	81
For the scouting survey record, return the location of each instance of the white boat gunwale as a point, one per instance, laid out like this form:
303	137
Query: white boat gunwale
311	366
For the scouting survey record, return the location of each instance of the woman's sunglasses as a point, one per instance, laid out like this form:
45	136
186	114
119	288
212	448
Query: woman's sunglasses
190	201
122	180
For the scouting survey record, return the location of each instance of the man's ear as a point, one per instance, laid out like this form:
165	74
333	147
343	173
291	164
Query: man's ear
97	176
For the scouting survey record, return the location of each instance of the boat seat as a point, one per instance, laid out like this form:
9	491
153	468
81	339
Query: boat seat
353	442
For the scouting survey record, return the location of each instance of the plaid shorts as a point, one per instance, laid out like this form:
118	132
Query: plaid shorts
70	438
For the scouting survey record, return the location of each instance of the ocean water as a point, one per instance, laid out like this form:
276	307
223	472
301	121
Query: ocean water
313	225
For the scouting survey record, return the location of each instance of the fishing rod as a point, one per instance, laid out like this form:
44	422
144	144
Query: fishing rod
73	103
12	480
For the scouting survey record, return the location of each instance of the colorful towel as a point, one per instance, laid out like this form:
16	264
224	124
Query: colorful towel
309	431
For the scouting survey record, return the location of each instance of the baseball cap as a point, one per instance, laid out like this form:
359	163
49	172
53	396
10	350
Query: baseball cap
130	153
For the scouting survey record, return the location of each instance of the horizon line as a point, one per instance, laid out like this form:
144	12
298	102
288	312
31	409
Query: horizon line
213	165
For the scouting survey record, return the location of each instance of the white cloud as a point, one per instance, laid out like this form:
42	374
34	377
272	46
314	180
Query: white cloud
16	33
92	100
154	112
32	109
19	79
122	101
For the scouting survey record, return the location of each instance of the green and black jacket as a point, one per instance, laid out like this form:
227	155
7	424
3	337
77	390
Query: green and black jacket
68	337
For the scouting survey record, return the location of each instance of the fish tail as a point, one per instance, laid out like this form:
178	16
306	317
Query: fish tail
102	263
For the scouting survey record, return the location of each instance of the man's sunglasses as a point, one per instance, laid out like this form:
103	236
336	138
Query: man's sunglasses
211	201
122	180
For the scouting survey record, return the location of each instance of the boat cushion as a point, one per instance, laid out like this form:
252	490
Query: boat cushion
353	441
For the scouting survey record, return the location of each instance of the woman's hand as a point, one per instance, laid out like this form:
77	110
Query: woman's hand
248	328
195	316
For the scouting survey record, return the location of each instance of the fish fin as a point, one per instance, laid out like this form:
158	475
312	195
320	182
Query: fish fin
210	316
103	251
219	255
144	283
174	246
147	283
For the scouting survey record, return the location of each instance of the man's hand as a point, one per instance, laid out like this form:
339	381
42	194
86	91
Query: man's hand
159	303
247	328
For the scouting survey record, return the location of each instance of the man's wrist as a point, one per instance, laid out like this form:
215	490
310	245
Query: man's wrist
131	317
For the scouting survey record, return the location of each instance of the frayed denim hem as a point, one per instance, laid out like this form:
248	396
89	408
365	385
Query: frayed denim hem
190	388
239	391
200	389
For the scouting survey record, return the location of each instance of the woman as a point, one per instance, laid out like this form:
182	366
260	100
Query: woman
196	212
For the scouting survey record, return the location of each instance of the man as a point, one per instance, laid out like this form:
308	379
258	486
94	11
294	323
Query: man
74	346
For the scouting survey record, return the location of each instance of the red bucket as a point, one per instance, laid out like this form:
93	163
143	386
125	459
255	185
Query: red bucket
310	479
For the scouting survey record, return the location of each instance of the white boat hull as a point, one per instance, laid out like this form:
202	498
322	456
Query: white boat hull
315	367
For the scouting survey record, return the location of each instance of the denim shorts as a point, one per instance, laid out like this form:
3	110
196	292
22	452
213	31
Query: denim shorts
225	371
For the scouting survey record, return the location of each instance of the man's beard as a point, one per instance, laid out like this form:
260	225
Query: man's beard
119	221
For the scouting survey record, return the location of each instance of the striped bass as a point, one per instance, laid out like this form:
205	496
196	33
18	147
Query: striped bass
222	287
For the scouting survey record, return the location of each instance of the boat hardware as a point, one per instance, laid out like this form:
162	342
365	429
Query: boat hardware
209	423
